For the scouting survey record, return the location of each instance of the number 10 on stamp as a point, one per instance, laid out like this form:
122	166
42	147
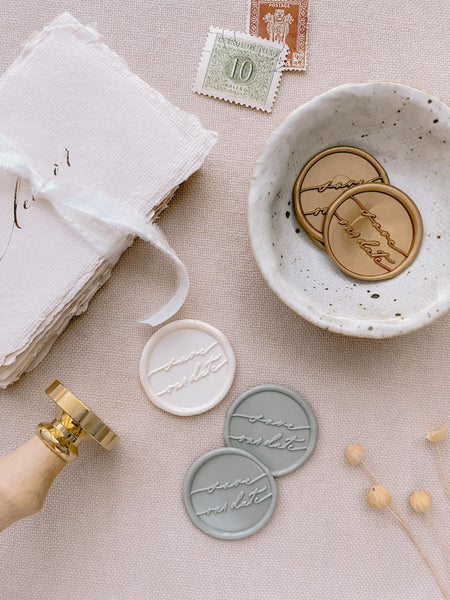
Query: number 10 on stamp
240	68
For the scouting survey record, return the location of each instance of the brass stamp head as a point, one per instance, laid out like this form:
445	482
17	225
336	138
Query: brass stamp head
373	231
74	421
328	175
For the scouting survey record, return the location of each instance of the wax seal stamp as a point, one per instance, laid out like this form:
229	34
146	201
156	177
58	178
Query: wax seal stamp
275	424
229	493
27	474
328	175
373	232
187	367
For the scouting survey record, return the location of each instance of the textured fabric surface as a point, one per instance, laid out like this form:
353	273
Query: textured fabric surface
114	526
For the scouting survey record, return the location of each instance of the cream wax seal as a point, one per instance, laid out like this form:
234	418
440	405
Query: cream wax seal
187	367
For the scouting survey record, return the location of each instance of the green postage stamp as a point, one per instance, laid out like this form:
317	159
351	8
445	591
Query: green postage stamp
240	68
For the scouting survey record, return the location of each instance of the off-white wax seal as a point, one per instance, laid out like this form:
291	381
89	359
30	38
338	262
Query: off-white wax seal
187	367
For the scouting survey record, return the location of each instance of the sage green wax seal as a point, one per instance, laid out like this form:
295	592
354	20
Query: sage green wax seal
275	424
229	494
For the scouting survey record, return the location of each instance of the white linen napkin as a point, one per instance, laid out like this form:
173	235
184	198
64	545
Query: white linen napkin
89	155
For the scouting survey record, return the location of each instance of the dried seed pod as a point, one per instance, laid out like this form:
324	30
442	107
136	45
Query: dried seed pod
438	435
354	454
378	497
420	501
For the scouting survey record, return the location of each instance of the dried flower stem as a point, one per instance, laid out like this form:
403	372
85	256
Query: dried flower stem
441	537
397	515
447	486
364	464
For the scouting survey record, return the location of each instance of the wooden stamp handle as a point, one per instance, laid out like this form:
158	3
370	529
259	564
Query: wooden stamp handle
27	474
25	478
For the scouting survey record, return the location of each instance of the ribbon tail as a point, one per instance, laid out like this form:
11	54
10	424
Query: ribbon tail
112	218
124	220
179	297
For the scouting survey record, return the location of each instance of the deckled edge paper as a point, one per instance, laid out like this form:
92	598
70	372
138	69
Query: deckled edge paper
76	208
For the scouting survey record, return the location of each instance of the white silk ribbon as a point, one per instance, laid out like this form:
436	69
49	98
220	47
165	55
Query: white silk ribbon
100	220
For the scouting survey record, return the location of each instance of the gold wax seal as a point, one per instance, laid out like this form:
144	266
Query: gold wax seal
373	231
316	242
328	175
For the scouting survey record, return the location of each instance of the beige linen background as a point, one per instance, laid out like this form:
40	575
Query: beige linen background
114	526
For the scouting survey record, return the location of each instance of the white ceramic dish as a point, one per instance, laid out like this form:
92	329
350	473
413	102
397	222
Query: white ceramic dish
408	131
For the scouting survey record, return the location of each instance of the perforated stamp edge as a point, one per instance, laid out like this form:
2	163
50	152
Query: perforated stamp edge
236	37
254	28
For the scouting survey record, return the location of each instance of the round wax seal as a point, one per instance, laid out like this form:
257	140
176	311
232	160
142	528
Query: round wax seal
325	177
275	424
373	232
229	493
187	367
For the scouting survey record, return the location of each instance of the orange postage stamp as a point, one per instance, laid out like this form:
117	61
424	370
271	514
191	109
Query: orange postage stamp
284	21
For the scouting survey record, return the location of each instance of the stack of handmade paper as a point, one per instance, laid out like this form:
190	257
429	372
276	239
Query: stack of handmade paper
89	154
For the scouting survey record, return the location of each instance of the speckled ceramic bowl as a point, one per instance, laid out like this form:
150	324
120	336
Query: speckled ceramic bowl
408	131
